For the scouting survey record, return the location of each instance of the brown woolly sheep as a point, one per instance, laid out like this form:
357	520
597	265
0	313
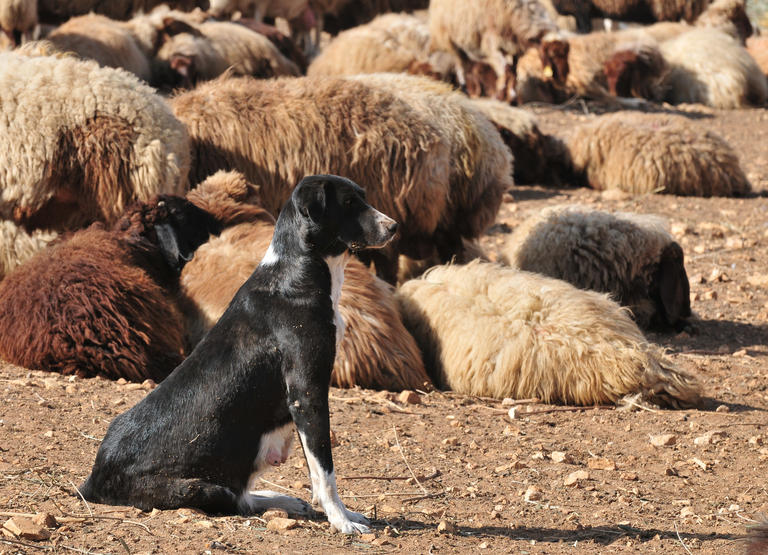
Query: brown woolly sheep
710	67
647	153
17	245
18	19
376	352
78	142
494	32
758	49
481	166
631	256
539	158
493	331
389	43
202	52
101	301
277	131
102	39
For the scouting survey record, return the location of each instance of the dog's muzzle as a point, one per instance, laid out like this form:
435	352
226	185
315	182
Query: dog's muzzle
386	228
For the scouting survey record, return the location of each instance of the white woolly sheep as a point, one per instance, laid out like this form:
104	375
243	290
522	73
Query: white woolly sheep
78	142
376	352
494	32
204	51
647	153
493	331
18	19
17	245
389	43
102	39
631	256
710	67
277	131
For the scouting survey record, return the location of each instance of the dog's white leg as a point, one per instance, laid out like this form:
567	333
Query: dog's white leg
325	491
262	500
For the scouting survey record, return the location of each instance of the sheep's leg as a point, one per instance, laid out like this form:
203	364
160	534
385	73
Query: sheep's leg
11	37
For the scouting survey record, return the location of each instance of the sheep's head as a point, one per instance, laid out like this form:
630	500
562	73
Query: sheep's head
554	58
634	71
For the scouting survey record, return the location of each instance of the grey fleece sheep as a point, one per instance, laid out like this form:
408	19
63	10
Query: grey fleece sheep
647	153
631	256
78	142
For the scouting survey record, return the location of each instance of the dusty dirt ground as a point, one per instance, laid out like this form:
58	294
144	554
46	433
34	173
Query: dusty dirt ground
497	484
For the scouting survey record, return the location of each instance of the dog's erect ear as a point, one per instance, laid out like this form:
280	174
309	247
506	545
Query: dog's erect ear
310	200
674	288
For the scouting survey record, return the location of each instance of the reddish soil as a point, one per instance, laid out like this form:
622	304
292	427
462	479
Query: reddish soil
473	463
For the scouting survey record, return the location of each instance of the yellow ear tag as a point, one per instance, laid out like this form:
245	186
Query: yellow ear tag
548	71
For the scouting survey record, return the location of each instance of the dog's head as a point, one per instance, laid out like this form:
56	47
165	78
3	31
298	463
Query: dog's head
335	216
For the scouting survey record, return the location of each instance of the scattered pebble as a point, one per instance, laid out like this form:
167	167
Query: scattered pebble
281	524
601	464
446	527
575	477
27	529
663	440
533	493
409	398
561	457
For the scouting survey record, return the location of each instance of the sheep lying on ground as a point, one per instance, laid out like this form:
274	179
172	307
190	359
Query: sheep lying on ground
102	39
647	153
81	141
17	245
101	301
389	43
275	132
494	32
631	256
18	18
206	50
376	352
498	332
539	158
710	67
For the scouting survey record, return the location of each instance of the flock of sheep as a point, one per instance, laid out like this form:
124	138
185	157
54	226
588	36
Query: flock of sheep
101	175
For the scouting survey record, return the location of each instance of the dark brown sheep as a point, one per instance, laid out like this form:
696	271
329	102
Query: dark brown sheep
101	302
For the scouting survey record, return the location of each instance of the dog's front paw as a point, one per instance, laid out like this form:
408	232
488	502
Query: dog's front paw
349	527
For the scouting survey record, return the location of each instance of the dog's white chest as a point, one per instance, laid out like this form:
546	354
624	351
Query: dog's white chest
336	265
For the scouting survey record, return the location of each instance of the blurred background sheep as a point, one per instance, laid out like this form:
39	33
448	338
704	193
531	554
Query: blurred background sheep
631	256
497	332
18	19
376	352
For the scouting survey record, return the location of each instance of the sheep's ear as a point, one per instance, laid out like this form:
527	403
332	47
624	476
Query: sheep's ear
674	288
310	200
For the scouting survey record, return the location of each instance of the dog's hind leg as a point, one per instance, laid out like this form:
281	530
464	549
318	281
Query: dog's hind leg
262	500
173	493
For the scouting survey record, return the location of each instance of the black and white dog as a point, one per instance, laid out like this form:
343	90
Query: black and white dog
225	413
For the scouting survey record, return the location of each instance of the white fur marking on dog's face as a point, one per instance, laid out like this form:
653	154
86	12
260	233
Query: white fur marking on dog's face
325	492
336	265
274	448
270	257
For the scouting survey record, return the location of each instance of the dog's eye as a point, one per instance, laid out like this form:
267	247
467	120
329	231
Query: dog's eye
349	201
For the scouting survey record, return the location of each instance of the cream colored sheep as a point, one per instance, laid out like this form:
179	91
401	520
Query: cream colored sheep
646	153
17	245
277	131
78	142
710	67
631	256
102	39
493	331
389	43
494	32
18	18
205	51
376	352
481	165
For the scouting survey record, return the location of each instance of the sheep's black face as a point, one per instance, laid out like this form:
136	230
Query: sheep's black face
181	228
337	216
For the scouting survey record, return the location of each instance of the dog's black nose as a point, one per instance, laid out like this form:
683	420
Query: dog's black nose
392	229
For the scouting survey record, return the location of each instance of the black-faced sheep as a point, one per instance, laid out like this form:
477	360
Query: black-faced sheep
647	153
80	142
376	352
101	301
495	32
497	332
277	131
710	67
631	256
18	19
18	245
102	39
204	51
